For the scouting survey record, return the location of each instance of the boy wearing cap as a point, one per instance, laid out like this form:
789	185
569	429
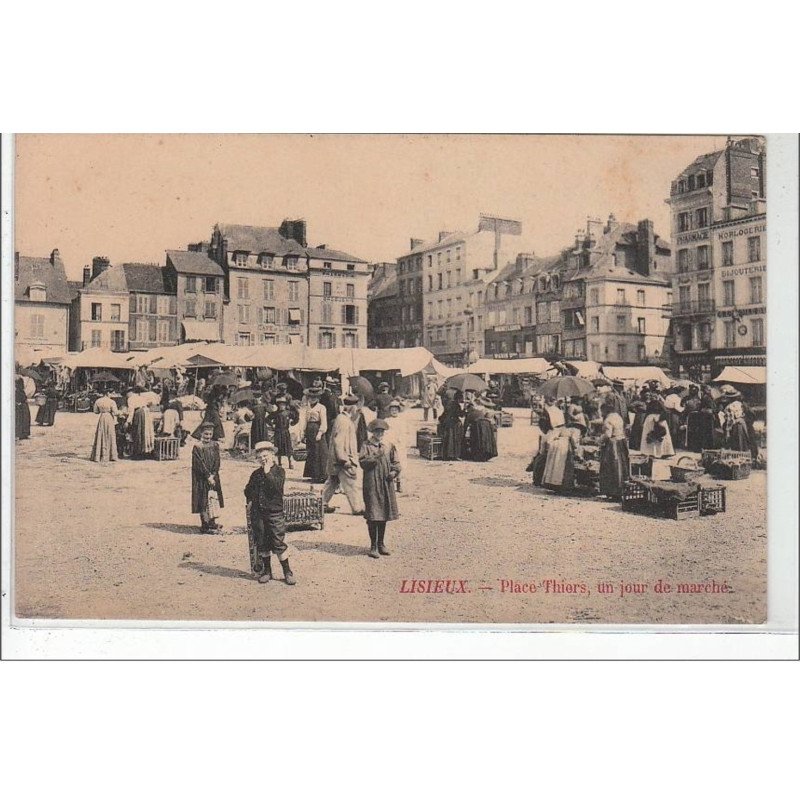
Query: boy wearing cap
264	492
381	468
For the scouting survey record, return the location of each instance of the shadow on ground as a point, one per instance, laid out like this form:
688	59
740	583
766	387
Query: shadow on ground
214	569
334	548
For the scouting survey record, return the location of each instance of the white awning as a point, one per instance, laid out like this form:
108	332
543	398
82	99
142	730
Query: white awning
742	375
195	330
637	374
510	366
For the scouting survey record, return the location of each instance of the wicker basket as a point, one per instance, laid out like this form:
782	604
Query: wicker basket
300	454
681	474
730	470
709	457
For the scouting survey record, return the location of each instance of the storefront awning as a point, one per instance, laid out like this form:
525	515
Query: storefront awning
195	330
742	375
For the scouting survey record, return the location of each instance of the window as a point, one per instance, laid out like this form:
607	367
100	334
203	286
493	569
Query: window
449	306
326	340
515	316
691	183
240	259
37	326
243	289
727	254
448	256
642	352
684	221
754	172
681	186
430	310
458	276
621	352
191	283
621	296
640	297
115	312
351	267
702	257
350	339
141	304
189	310
244	339
758	332
294	291
152	305
729	293
163	304
476	274
701	180
704	296
528	315
595	324
555	312
754	248
97	312
594	297
730	333
701	215
350	315
620	322
210	310
439	259
684	297
163	330
439	277
449	279
327	289
458	254
430	261
430	283
151	330
290	261
327	265
595	351
640	322
705	336
267	338
480	298
401	287
756	290
118	340
97	338
269	289
244	314
327	313
709	177
683	260
266	260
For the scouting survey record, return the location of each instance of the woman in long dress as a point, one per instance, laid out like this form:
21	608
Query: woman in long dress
22	414
316	466
615	463
737	435
639	409
656	438
381	468
46	415
451	430
563	445
205	476
213	414
105	435
140	420
258	427
482	433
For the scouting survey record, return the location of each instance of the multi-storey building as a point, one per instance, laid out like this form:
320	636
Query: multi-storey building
266	282
715	190
100	312
199	293
384	327
42	299
455	270
410	298
153	306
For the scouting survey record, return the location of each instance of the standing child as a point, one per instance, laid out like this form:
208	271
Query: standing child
281	420
381	468
205	477
264	492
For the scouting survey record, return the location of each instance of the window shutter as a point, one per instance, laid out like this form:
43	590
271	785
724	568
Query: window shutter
319	340
152	336
132	304
344	314
356	314
173	305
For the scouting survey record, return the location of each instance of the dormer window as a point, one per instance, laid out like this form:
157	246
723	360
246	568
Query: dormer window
290	261
543	283
701	180
38	292
555	282
240	259
327	265
691	182
266	260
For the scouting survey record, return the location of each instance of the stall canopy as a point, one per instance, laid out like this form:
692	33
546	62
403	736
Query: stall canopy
742	375
96	358
638	374
28	355
406	360
510	366
200	330
165	357
586	369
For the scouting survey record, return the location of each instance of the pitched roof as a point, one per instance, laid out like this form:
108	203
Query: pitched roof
333	255
193	263
704	162
146	278
453	238
31	270
74	288
111	279
257	239
387	289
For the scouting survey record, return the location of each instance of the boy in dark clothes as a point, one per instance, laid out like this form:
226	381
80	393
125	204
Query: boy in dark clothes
264	492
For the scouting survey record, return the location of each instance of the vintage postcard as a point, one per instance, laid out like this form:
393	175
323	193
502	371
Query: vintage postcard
473	379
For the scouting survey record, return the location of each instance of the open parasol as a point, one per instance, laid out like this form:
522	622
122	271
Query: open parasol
243	395
224	379
30	372
104	377
466	382
361	387
566	386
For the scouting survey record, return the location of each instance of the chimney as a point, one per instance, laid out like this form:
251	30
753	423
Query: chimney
611	224
99	265
444	235
322	247
87	275
55	256
294	229
645	246
578	240
415	243
525	260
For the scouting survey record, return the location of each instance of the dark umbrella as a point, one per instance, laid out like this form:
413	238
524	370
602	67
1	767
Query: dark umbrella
361	387
243	395
466	382
601	382
566	386
30	372
224	379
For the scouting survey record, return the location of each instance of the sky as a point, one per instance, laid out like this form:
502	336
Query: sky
131	197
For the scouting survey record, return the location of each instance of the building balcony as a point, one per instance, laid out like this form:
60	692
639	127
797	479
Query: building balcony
690	308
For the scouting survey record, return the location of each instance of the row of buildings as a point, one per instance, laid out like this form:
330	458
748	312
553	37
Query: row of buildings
619	294
246	285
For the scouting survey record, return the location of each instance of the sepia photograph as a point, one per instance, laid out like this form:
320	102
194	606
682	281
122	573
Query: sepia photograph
401	379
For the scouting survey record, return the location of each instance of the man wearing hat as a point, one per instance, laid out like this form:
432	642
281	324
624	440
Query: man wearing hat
381	468
343	458
330	399
382	400
264	492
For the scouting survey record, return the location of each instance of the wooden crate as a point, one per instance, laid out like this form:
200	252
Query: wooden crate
640	499
729	471
712	499
709	457
641	466
635	497
167	448
424	433
675	508
430	447
303	510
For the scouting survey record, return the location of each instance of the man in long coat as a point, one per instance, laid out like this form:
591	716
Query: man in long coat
343	458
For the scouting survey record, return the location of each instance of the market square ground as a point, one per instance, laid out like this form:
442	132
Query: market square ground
117	541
